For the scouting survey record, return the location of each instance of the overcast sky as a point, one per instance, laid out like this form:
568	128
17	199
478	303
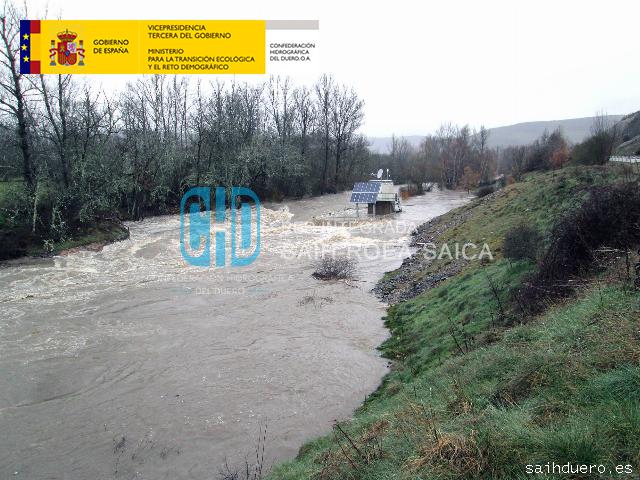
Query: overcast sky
418	64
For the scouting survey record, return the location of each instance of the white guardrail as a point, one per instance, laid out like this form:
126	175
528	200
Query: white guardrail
625	159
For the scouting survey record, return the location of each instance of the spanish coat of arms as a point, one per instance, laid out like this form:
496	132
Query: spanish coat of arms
67	51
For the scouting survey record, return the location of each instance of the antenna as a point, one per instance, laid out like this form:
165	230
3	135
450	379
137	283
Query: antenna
379	175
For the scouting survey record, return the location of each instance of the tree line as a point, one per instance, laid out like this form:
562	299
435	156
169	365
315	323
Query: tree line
453	157
459	156
74	153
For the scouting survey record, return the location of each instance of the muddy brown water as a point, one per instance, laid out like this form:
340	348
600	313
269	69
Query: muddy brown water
128	364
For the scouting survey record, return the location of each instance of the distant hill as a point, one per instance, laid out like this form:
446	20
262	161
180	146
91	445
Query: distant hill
575	129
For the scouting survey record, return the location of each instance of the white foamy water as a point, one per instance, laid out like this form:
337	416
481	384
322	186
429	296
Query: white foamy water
187	363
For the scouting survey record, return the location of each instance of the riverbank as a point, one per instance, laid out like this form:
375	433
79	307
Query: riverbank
18	246
94	239
479	387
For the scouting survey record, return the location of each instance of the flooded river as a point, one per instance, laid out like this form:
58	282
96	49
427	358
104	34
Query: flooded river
128	364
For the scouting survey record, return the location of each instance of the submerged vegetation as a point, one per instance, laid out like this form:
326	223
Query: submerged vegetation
481	387
335	268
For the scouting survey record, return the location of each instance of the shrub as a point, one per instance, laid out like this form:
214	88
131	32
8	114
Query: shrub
521	243
610	216
596	149
540	153
334	268
484	191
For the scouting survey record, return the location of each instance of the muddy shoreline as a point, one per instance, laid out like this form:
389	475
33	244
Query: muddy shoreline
405	282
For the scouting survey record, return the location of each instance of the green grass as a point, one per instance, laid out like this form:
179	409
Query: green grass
474	396
464	304
537	201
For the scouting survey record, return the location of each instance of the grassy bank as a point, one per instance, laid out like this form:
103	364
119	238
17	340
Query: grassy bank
479	389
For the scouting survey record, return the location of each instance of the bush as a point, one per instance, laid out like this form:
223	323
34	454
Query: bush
588	152
484	191
609	217
334	268
15	221
521	243
540	153
596	149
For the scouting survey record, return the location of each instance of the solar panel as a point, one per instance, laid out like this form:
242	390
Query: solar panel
365	192
364	197
364	187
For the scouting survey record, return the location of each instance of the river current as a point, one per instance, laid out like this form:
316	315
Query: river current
128	364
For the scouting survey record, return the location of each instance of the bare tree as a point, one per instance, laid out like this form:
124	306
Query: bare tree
281	107
14	90
604	137
324	96
198	124
402	157
305	115
251	112
97	119
484	157
57	106
346	118
513	160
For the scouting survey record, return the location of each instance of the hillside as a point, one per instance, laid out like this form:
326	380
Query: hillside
479	388
575	129
629	128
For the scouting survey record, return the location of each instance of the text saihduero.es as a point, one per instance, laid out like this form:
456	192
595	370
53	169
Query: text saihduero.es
551	468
